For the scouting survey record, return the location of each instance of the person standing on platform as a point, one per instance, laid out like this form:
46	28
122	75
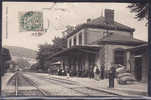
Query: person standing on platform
91	73
68	73
102	72
112	73
96	72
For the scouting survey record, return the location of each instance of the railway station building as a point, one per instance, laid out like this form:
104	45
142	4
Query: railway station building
103	41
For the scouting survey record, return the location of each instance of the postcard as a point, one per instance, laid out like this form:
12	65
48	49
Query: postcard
74	49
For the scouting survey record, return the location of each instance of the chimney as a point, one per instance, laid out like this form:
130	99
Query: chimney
88	20
109	16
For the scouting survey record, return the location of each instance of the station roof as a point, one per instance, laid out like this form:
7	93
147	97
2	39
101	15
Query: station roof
100	23
143	46
120	41
77	49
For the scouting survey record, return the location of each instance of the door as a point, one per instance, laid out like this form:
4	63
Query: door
138	68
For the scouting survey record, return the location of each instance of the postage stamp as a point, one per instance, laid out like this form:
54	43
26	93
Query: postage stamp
31	21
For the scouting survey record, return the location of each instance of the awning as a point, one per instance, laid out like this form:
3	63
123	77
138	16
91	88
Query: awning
143	46
75	49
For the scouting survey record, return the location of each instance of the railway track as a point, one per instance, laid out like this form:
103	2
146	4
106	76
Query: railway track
85	91
25	86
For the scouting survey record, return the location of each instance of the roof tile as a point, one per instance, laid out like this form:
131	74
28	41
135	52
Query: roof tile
100	23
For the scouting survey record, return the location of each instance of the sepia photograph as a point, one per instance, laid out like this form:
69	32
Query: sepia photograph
74	49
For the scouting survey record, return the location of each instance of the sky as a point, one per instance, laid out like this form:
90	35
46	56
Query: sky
59	16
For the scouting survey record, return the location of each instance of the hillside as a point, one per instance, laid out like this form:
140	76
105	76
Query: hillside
21	52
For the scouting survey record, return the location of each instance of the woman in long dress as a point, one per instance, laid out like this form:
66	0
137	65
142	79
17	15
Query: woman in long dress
96	73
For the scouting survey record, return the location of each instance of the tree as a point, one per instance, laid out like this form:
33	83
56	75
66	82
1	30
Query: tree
5	57
47	50
59	43
68	30
22	63
6	54
42	55
35	67
141	9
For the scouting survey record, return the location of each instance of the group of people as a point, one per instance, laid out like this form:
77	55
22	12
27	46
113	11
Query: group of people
100	73
95	72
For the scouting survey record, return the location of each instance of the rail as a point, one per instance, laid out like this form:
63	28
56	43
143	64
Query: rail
30	82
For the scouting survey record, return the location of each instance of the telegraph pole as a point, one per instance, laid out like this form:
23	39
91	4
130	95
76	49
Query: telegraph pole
149	50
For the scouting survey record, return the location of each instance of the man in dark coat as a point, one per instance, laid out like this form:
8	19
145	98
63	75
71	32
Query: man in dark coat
102	72
112	73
